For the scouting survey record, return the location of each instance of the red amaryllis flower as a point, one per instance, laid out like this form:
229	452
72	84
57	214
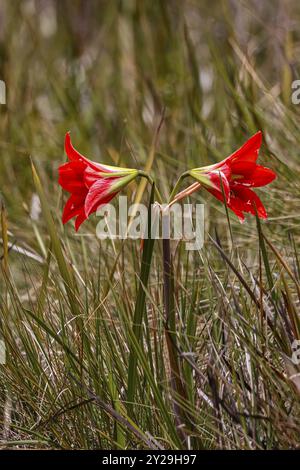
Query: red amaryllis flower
90	184
235	176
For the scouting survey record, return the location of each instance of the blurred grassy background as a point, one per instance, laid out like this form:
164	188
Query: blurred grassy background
105	70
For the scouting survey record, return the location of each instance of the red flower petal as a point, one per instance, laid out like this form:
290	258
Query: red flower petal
73	206
242	199
261	176
245	200
219	179
91	176
73	155
233	205
243	160
98	195
71	176
81	217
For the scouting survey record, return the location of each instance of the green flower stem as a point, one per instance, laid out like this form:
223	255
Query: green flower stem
143	174
176	382
139	313
175	189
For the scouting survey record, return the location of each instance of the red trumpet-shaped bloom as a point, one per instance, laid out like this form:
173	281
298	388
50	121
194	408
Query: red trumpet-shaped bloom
235	176
90	184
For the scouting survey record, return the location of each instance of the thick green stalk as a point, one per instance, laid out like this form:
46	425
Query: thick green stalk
140	307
